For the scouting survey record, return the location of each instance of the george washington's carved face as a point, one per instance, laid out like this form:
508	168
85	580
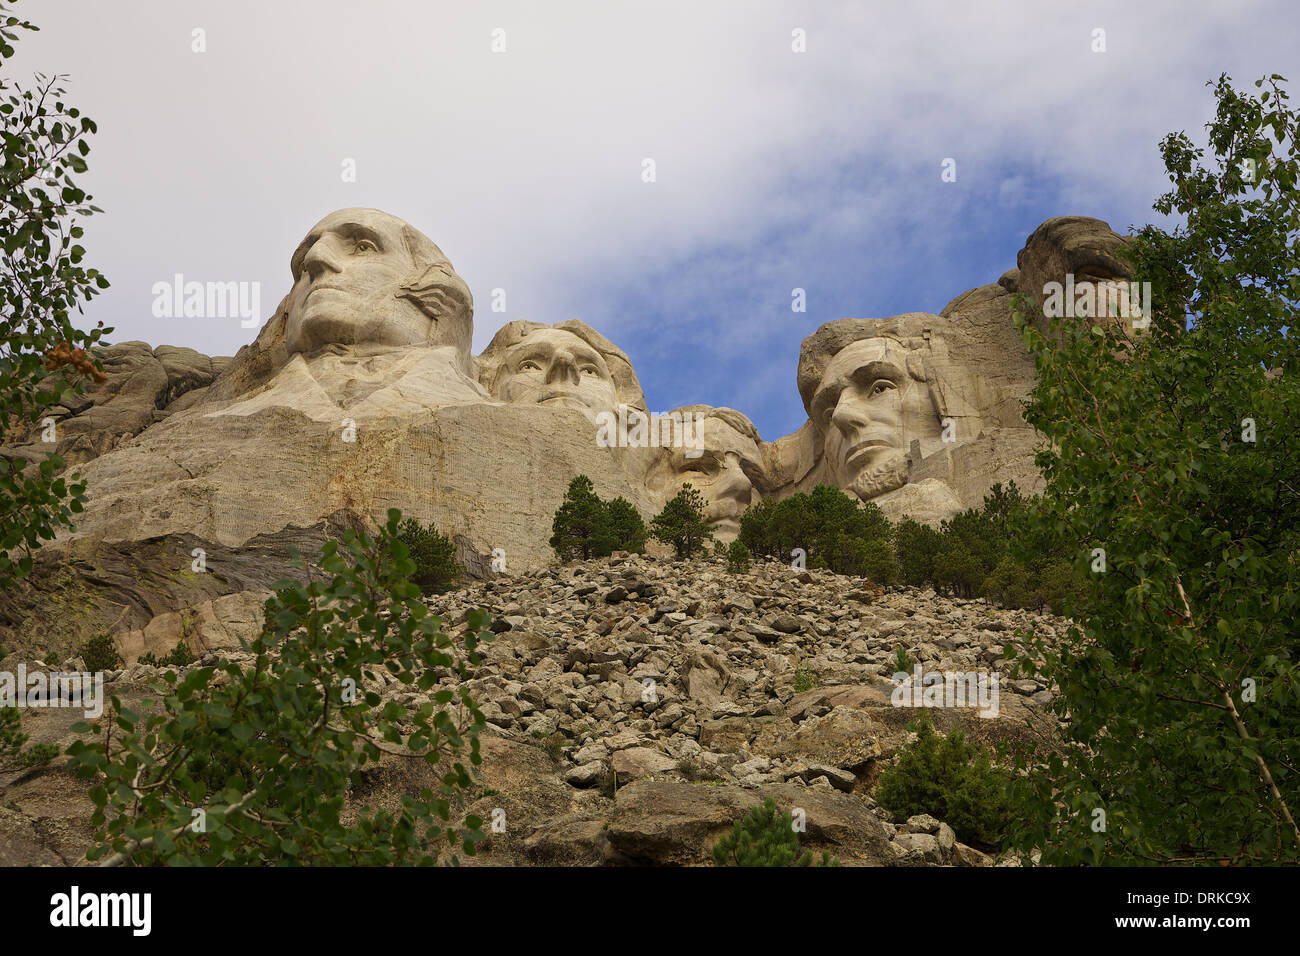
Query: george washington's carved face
556	368
863	404
362	276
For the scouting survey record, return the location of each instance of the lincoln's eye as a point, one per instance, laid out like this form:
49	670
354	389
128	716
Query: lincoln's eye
365	245
590	370
823	413
528	365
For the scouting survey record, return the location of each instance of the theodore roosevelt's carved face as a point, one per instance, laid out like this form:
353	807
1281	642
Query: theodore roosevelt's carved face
724	473
557	368
721	459
362	276
863	405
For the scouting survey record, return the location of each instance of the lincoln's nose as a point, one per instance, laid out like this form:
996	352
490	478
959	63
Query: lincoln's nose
848	417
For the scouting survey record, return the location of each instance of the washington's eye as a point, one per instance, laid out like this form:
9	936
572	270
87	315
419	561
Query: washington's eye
528	365
365	245
880	386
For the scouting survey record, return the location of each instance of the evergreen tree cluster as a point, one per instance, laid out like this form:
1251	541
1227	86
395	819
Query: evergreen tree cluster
586	526
765	837
983	552
989	552
434	554
683	523
953	781
833	530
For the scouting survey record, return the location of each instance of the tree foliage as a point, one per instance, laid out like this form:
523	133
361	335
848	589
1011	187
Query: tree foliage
179	656
835	530
14	754
952	781
433	553
737	557
585	526
43	356
1173	448
254	766
993	551
625	531
765	837
99	653
682	523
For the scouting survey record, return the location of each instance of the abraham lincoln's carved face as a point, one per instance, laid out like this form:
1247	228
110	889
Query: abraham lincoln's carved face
862	405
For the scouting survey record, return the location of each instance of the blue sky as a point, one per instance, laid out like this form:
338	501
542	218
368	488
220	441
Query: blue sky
775	169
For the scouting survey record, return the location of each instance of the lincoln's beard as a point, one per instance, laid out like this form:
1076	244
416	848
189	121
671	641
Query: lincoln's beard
878	479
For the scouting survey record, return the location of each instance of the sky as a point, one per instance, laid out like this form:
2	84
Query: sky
516	134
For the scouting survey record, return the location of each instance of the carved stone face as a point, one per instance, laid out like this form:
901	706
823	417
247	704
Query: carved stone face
556	368
724	474
363	277
863	405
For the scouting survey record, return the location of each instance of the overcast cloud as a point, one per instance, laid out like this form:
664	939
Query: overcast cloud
775	169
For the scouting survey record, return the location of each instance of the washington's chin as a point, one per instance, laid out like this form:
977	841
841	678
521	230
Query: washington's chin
316	331
315	328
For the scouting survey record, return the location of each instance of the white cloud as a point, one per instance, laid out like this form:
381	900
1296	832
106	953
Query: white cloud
524	166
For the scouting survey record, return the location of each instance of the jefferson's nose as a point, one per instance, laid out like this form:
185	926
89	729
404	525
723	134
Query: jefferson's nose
563	366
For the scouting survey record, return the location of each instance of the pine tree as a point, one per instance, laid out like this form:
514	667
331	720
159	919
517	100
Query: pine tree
765	837
434	554
737	557
580	524
624	529
682	523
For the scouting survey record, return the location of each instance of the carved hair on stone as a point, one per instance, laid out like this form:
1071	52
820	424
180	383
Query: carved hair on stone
910	331
434	286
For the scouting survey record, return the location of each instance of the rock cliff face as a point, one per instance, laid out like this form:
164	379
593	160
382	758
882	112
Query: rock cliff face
144	385
361	394
637	708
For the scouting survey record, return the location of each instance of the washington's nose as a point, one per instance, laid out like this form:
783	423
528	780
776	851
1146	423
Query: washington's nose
563	368
323	256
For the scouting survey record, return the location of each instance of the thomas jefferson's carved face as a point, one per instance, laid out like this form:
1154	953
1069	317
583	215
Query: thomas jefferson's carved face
861	406
350	274
725	473
556	368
